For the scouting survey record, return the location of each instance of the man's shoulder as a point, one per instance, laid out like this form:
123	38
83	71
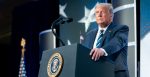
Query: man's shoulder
92	31
122	26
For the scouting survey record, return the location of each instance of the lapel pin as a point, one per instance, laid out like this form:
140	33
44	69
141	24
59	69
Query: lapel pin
110	31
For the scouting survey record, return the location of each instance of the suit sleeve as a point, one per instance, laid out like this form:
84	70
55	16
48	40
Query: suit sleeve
118	41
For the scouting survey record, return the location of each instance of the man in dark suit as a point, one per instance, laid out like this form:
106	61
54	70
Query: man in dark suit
109	41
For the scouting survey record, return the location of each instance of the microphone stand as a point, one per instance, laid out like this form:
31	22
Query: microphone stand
54	32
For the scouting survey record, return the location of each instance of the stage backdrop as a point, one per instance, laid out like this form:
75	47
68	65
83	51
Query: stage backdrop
145	38
82	12
125	13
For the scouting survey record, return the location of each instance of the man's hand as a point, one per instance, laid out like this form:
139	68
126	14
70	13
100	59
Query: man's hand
96	53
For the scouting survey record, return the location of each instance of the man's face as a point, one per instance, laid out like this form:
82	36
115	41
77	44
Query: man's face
103	16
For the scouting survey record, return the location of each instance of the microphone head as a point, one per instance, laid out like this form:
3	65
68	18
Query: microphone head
62	20
69	20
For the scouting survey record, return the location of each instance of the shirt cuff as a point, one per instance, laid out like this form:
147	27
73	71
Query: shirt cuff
105	53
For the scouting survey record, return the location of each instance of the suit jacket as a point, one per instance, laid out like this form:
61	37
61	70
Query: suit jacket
115	43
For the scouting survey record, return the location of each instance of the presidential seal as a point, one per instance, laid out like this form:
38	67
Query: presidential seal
55	64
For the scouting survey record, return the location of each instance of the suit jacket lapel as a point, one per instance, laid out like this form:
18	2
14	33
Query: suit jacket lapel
107	33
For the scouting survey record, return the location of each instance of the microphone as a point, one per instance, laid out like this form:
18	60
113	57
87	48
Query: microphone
60	20
63	20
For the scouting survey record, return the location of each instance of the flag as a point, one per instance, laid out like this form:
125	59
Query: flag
22	70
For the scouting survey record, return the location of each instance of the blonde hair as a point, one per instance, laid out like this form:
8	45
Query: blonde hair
108	5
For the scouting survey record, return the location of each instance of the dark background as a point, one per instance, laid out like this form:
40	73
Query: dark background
25	18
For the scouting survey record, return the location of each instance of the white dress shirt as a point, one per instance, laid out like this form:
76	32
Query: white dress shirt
97	35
